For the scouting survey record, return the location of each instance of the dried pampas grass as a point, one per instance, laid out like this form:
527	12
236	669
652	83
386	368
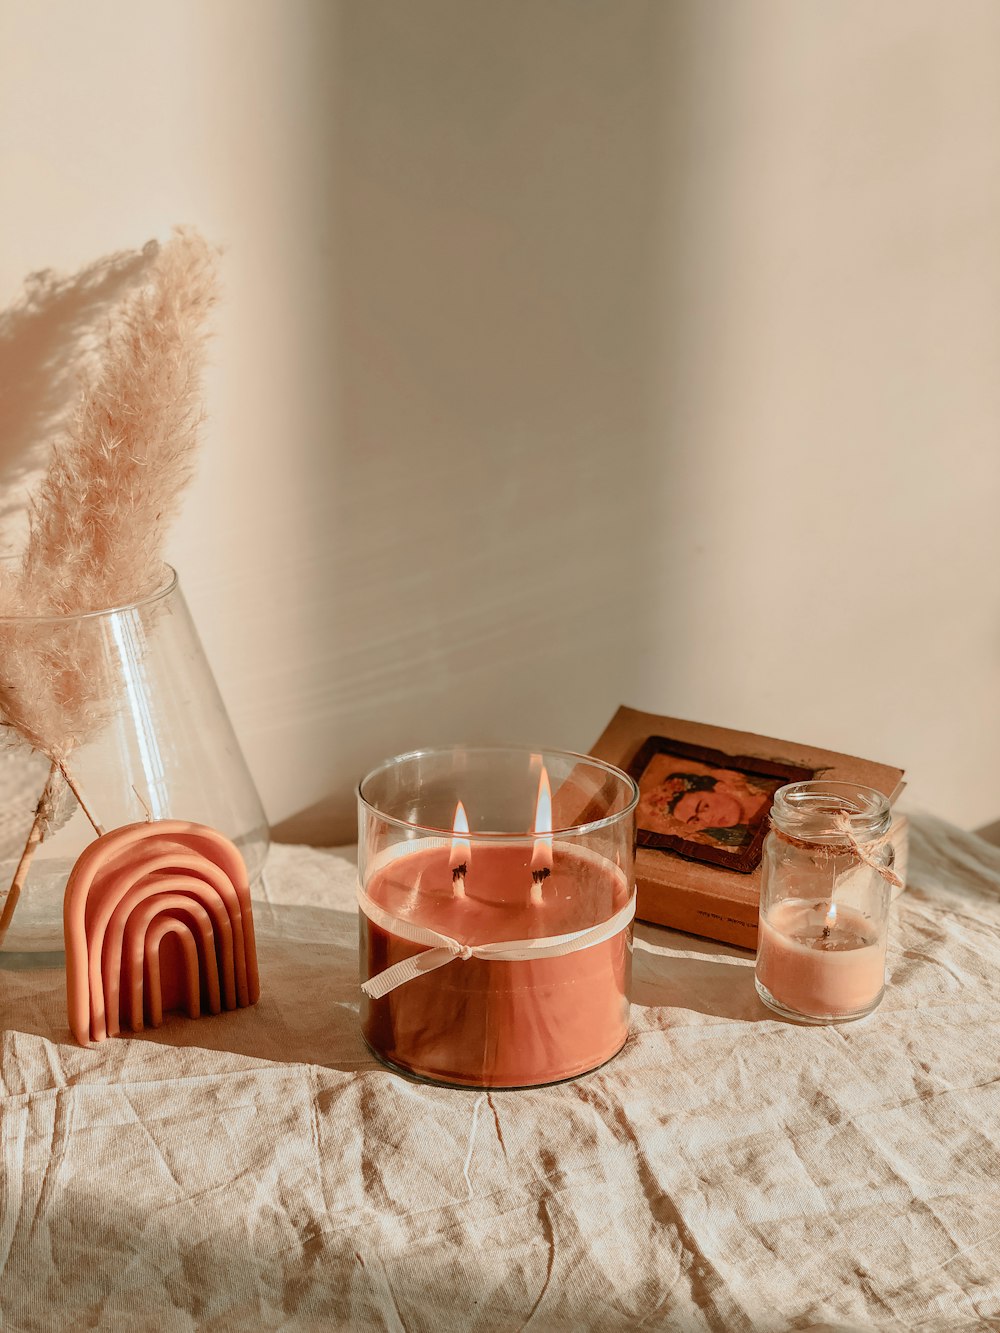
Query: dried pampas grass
48	336
100	515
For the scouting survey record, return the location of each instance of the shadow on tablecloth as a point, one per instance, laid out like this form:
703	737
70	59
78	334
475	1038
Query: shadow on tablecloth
307	1012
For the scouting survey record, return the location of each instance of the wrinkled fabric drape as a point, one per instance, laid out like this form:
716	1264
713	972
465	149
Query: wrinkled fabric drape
727	1171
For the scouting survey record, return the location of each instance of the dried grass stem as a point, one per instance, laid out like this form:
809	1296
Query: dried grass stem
43	815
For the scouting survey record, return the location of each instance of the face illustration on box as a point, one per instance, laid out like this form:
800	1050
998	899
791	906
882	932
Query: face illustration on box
704	804
708	809
701	803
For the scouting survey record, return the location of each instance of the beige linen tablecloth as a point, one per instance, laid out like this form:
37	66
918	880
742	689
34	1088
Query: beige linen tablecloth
728	1171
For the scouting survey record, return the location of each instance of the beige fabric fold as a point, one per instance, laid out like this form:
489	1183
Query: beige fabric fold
727	1172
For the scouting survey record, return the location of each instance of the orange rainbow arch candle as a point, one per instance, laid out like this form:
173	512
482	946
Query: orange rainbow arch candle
133	968
158	914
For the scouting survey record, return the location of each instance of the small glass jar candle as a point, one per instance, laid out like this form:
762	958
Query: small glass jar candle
497	893
826	882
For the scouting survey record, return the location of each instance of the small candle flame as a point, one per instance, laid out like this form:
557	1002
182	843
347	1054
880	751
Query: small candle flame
830	921
461	852
541	856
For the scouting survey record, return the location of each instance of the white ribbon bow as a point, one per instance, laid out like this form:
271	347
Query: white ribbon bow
443	949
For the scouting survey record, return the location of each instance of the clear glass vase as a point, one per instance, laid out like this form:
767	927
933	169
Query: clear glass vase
158	743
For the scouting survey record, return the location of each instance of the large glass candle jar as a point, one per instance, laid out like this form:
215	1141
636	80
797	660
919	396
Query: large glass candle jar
826	884
497	893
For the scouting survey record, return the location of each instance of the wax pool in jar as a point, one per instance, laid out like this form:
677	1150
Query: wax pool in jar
820	961
497	1023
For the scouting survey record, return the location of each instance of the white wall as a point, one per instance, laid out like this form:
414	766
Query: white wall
571	354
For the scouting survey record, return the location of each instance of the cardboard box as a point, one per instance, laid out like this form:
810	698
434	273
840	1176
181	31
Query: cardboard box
701	878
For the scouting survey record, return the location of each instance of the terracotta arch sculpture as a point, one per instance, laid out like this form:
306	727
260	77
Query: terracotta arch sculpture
169	888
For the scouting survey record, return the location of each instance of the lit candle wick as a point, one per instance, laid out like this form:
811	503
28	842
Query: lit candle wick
538	878
830	922
461	852
541	856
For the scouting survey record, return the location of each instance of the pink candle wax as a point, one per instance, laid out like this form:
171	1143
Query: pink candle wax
817	966
496	1023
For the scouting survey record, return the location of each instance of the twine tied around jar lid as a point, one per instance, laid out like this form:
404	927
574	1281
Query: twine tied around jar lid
864	851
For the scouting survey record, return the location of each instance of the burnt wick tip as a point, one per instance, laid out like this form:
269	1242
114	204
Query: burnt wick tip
537	876
459	872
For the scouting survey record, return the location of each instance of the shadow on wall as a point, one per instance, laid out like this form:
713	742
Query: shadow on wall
485	510
44	340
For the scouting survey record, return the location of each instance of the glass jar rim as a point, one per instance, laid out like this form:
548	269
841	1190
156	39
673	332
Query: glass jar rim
810	806
160	592
488	835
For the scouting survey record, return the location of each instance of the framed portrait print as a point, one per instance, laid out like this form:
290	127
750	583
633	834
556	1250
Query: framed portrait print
705	794
705	804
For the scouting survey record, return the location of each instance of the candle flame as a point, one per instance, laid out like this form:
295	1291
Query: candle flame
543	808
830	921
461	852
541	856
461	824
